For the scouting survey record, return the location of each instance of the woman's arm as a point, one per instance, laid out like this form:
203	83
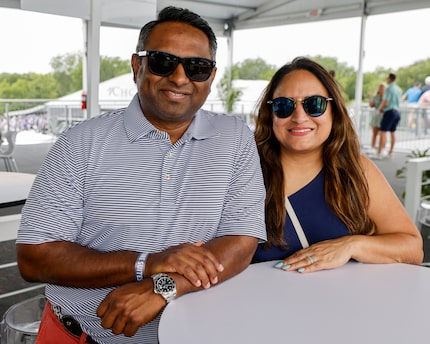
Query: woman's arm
396	239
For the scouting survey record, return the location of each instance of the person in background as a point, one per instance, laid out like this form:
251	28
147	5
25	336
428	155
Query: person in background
424	105
339	204
426	86
413	93
138	206
375	116
390	108
425	98
411	96
425	95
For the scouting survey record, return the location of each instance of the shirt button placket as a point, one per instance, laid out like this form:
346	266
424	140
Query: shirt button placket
168	165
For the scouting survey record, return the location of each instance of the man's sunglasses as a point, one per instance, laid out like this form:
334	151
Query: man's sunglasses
314	106
164	64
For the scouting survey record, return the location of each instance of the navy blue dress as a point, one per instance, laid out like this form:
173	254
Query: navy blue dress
318	222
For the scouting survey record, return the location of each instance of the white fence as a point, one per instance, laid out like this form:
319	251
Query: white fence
414	183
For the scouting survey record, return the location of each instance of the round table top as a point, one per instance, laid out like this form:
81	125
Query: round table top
355	304
15	187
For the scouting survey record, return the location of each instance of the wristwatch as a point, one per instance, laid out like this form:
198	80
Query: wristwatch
165	286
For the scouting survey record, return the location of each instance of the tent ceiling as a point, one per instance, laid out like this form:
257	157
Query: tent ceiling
248	14
241	14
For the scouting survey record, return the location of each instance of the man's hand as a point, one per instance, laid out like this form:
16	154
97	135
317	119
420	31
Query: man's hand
193	261
129	307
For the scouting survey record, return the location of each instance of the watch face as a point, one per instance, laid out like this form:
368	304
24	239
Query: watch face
165	284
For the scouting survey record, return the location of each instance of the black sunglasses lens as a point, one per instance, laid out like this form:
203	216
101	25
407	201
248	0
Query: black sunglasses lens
197	68
315	106
162	64
283	107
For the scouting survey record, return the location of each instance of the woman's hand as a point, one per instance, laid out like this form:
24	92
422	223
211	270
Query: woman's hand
323	255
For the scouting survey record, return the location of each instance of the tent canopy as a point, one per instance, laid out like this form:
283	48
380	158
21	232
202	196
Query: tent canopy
221	14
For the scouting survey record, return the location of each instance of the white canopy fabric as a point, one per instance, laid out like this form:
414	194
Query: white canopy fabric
224	16
240	14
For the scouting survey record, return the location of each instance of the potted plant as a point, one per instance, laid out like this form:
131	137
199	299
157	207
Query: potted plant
401	172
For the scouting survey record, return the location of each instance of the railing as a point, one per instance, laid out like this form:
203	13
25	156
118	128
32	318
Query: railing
46	115
414	126
55	115
414	184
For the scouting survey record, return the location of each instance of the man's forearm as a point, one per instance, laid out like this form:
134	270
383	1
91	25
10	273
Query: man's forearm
72	265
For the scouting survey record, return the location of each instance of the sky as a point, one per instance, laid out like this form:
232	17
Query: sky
29	40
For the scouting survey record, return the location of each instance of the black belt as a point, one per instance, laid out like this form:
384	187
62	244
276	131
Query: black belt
71	325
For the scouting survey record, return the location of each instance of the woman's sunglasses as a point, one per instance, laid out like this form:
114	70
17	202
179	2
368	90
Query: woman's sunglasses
164	64
314	106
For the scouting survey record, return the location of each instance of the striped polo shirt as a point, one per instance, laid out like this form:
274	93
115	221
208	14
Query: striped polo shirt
115	182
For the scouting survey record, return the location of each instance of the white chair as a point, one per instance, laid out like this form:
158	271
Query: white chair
7	154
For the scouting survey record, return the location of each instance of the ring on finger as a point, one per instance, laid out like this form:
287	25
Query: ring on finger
310	259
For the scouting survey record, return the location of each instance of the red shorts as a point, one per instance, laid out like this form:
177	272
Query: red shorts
52	331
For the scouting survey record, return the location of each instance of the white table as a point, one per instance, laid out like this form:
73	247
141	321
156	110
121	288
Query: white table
355	304
14	187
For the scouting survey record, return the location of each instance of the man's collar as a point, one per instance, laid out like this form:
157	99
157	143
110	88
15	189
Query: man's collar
137	126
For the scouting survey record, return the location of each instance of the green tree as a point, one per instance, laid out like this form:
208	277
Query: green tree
111	67
67	71
26	86
65	78
418	71
345	75
254	69
227	93
249	69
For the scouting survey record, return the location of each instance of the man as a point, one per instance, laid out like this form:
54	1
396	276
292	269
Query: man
136	207
413	93
426	86
390	107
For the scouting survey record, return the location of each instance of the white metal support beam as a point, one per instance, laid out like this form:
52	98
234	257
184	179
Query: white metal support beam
92	56
361	54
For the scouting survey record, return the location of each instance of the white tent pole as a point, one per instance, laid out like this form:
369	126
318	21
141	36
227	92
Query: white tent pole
85	61
361	53
93	57
228	32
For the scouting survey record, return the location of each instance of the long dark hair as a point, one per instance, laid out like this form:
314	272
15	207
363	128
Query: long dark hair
345	185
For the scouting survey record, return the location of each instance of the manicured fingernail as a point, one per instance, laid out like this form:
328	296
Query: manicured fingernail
279	264
207	286
220	268
198	283
301	269
286	267
215	280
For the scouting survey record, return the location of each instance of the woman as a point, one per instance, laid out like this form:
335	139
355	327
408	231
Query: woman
375	115
310	152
